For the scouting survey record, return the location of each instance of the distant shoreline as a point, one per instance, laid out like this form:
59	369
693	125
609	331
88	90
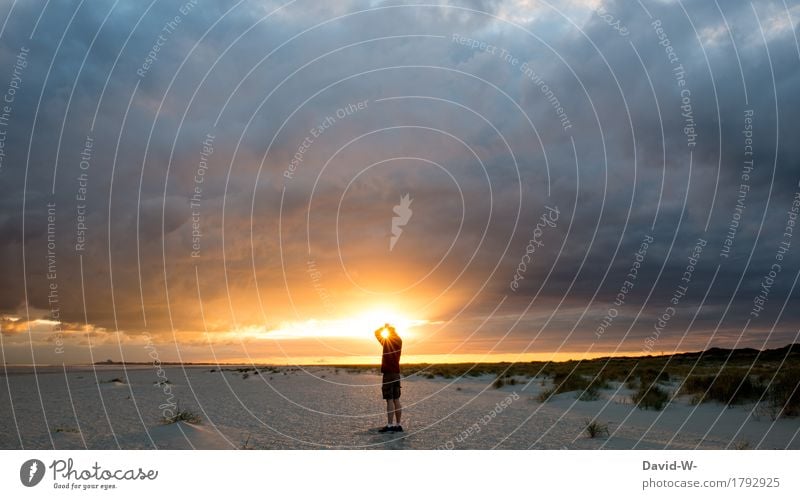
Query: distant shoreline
766	355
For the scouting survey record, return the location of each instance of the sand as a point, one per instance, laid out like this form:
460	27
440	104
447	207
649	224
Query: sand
320	407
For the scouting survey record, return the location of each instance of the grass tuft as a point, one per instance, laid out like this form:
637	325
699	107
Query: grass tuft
588	386
182	415
59	429
596	429
246	445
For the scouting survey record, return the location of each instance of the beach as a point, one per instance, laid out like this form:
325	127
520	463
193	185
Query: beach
246	407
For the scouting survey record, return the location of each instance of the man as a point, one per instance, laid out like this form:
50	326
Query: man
390	367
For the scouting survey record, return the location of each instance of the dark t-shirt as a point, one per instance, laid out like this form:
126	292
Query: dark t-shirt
390	362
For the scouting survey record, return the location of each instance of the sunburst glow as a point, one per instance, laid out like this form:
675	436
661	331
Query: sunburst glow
360	326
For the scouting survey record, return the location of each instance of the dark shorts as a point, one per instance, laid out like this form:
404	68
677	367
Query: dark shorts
391	386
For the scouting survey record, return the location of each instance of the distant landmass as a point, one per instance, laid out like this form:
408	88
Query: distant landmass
715	354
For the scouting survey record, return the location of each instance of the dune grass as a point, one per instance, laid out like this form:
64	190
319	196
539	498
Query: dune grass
783	396
181	415
59	429
714	375
587	386
731	386
502	381
651	396
595	429
121	381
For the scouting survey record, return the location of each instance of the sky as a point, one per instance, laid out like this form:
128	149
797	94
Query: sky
503	180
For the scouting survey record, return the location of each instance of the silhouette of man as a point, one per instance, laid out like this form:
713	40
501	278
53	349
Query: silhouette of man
390	367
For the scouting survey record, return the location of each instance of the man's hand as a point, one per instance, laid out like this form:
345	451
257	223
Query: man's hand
384	333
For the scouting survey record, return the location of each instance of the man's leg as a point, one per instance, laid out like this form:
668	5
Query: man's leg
390	410
397	411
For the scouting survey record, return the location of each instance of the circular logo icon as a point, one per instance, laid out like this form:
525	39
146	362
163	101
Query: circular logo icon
31	472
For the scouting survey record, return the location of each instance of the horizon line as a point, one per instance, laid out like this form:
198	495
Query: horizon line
430	359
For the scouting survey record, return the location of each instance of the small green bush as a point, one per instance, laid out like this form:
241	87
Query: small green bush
651	397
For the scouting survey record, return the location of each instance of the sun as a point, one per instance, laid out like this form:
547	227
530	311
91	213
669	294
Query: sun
356	326
375	318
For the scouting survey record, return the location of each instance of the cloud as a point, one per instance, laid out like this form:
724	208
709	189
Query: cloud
476	135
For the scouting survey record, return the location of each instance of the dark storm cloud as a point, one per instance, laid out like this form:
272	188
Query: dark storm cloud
620	183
